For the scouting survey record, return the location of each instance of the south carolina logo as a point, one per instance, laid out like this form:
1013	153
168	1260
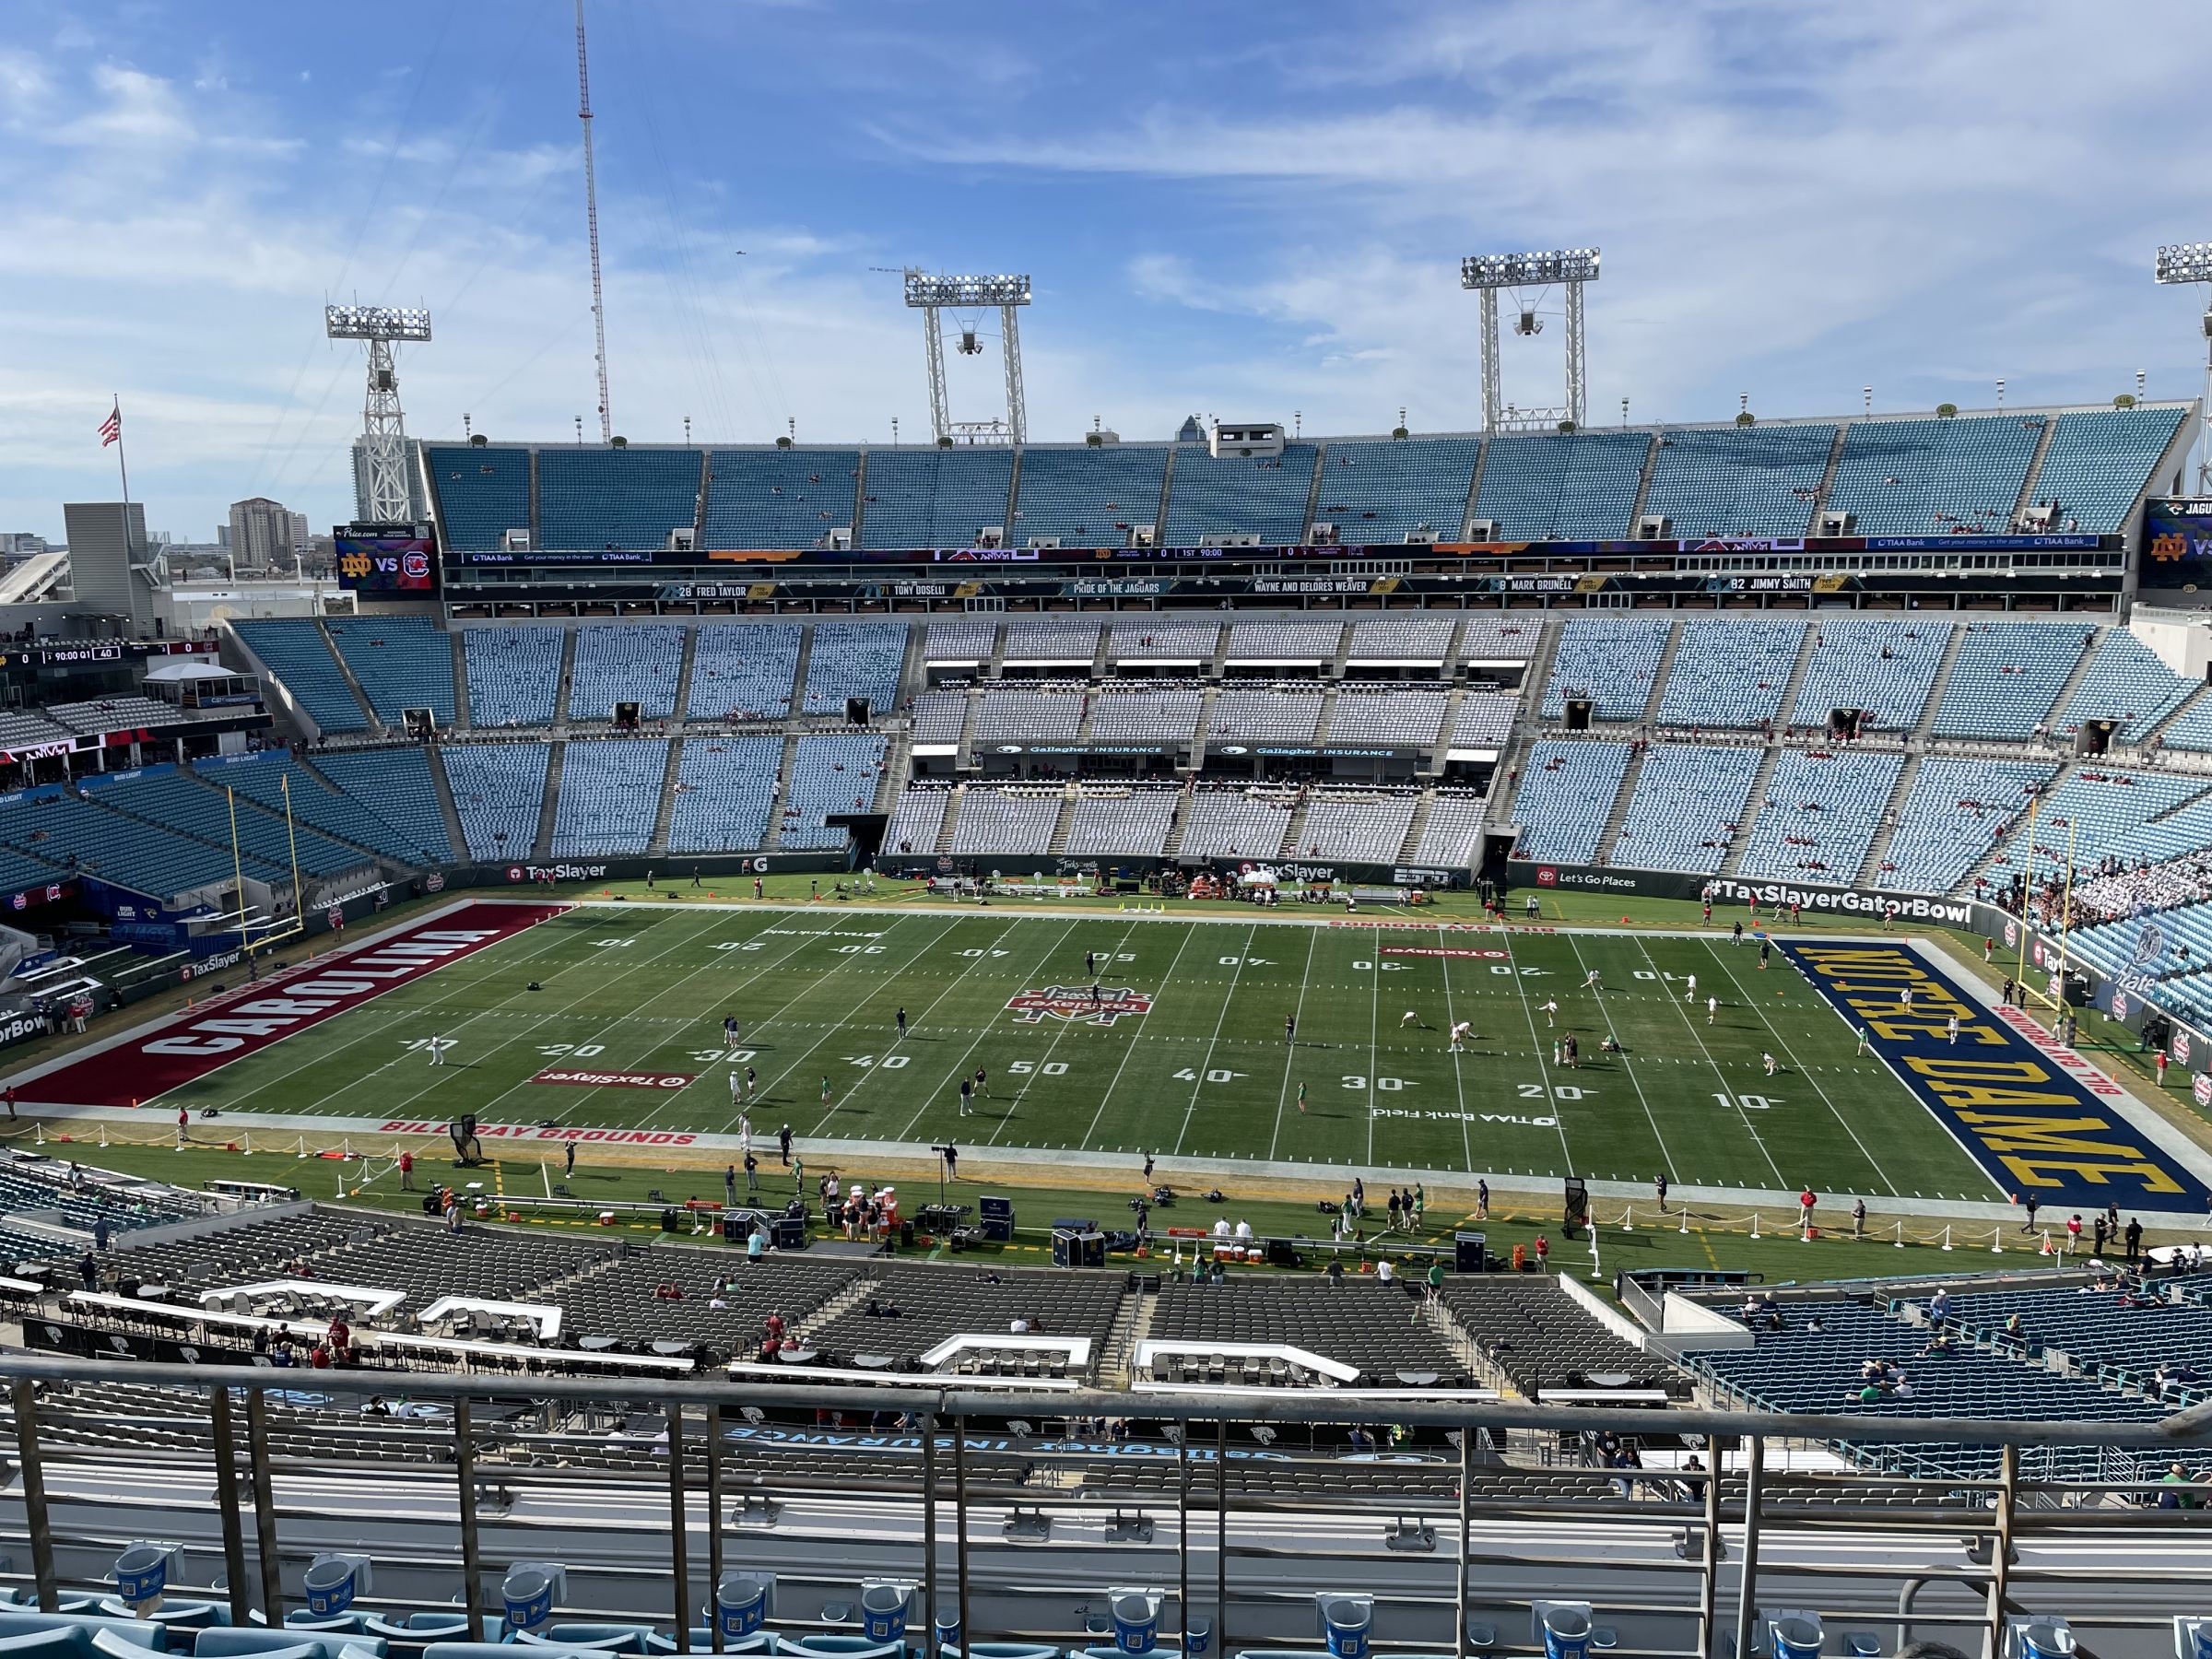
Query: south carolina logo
1080	1002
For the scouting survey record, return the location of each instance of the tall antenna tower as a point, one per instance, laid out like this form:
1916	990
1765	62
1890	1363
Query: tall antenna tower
591	217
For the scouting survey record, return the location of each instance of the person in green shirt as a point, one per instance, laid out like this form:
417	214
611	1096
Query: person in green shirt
1436	1278
1420	1203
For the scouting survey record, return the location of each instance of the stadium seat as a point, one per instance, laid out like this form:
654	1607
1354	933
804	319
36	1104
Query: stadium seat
779	498
636	663
513	674
1086	496
1758	480
1381	492
1566	796
1613	661
2006	675
1933	477
482	492
1688	804
297	654
610	794
593	499
499	789
1573	487
935	497
1240	495
402	663
1731	671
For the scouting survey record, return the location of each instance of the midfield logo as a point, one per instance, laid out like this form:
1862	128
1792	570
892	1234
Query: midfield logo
1075	1002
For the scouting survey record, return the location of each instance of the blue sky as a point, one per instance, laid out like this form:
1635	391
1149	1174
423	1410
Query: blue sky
1248	211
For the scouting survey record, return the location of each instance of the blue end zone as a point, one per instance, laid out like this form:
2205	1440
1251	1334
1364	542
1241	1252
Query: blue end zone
2031	1118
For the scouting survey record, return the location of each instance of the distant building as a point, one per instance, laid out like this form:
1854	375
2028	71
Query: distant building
265	534
21	544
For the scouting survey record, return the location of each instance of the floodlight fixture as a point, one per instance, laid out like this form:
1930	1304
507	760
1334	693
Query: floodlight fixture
2183	262
2179	262
381	491
376	322
1491	273
1528	270
932	296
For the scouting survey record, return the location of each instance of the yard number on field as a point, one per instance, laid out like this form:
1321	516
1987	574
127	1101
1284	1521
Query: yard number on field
1188	1075
1746	1102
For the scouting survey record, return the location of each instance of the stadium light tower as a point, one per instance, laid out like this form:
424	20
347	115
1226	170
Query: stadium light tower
384	498
2192	262
1488	274
932	296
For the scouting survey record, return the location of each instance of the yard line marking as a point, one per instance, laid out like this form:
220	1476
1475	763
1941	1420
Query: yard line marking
1374	1012
1466	1134
832	1028
504	1043
1672	1174
961	1065
1537	1037
1872	1162
1290	1049
391	1015
1188	935
1726	1088
1236	975
1065	1026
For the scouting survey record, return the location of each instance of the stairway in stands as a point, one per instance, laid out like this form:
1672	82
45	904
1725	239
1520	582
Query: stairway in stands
347	674
683	684
775	809
1666	667
1878	848
1622	797
567	674
1789	687
541	847
1760	782
1131	1327
666	812
442	787
1417	827
1941	683
461	714
952	814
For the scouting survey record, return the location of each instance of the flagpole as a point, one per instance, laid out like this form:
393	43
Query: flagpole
122	465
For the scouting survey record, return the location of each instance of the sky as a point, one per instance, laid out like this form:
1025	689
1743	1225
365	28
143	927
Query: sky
1250	212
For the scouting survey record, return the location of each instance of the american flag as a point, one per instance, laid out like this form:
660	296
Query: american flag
110	429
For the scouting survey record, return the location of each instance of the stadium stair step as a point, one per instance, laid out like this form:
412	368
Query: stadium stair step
996	667
1294	832
1328	716
462	718
1132	1325
2035	470
658	843
455	834
1057	844
952	815
1827	478
2081	672
1175	830
1454	697
1419	823
1900	792
853	1296
1643	481
562	686
1659	674
1098	666
1939	684
804	660
1761	781
860	502
1321	470
2150	739
1619	812
683	685
1466	512
775	810
548	810
897	761
346	672
1792	686
963	754
912	675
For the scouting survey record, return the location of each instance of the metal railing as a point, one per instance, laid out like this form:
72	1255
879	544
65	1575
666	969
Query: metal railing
517	1488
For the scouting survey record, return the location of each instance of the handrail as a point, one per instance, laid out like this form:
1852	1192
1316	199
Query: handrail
2189	1427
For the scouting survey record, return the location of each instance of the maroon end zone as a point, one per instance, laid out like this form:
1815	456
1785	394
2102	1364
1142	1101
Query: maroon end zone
158	1058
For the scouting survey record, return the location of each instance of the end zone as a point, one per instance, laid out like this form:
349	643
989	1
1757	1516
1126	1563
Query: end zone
142	1065
2036	1117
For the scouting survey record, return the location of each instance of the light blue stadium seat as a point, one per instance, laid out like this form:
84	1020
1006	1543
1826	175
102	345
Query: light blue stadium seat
513	674
499	789
1820	816
1883	666
831	773
279	783
1568	486
1081	496
1931	477
2100	462
638	663
145	858
1240	495
1610	660
1757	480
237	1641
394	785
178	802
1383	491
2006	675
1566	790
482	493
2128	683
611	794
743	672
402	663
141	1634
296	651
1689	800
934	497
853	659
1951	818
1731	671
775	498
726	791
593	499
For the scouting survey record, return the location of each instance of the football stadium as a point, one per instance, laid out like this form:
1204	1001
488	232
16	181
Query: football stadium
1549	1036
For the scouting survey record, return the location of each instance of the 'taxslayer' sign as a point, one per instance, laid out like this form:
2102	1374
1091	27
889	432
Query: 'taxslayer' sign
2037	1117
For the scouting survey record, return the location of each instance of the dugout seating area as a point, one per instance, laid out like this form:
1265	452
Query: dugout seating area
1382	1330
1534	1334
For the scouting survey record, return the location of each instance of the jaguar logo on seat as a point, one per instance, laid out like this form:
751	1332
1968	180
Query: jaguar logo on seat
1102	1007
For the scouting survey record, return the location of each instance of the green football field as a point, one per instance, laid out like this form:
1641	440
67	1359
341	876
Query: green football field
1184	1054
